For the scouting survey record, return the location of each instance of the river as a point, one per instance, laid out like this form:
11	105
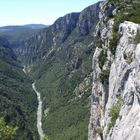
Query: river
39	112
39	109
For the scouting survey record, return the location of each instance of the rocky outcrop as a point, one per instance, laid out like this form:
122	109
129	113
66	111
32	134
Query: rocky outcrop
64	26
100	89
83	87
115	100
125	84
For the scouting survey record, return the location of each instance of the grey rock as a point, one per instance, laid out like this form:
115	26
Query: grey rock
123	82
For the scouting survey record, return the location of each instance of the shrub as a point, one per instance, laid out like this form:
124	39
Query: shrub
137	38
125	13
114	113
134	13
98	43
113	43
45	138
102	58
104	75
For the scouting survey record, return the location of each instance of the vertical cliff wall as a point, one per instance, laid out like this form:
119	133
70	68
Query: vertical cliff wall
116	85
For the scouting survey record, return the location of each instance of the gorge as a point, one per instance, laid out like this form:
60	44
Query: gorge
80	78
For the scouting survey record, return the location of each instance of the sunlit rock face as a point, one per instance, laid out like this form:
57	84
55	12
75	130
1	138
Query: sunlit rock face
123	83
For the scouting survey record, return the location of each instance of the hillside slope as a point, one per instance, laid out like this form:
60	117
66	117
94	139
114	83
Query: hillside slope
17	99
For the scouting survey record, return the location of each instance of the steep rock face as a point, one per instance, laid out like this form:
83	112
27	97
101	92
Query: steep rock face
115	89
43	44
87	20
126	84
64	27
100	89
48	40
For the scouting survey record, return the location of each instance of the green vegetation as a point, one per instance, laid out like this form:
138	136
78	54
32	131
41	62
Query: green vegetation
6	132
102	58
137	39
98	43
58	77
18	35
114	113
113	43
45	138
18	101
104	75
128	11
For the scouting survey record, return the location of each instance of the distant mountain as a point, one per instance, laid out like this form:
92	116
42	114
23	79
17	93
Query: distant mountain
17	34
35	26
15	27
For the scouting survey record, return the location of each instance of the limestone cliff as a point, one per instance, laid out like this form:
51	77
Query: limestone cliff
116	85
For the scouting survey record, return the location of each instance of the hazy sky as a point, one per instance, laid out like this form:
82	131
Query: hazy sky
18	12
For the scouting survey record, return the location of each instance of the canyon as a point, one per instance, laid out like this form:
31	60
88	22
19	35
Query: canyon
81	75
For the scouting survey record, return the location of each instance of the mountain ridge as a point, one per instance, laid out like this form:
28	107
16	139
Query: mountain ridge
32	26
